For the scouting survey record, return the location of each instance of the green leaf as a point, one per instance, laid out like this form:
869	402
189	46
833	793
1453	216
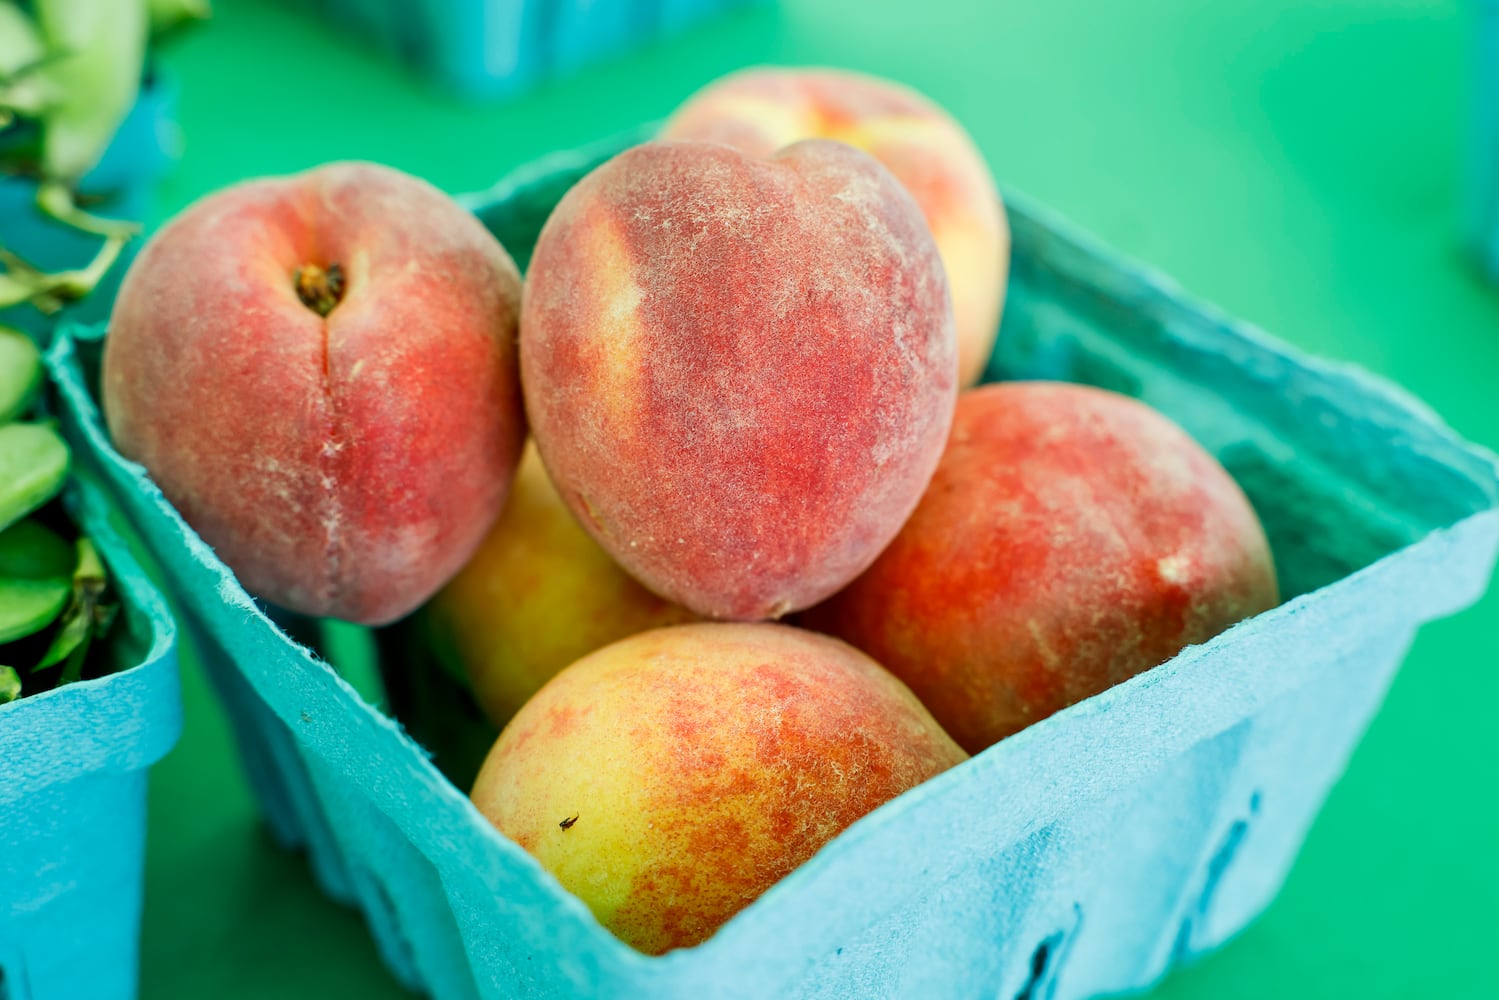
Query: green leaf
36	569
20	373
10	684
34	464
31	551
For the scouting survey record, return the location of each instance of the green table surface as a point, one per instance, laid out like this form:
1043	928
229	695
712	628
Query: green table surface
1296	163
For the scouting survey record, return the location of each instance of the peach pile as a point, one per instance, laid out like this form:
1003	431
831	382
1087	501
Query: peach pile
739	353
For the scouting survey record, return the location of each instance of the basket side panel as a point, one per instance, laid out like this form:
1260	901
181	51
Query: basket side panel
1110	894
399	890
274	765
73	866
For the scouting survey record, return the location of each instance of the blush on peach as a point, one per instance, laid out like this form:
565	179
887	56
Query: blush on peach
320	373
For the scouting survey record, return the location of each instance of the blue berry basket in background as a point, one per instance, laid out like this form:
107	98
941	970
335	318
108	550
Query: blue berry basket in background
500	48
1086	854
143	150
73	765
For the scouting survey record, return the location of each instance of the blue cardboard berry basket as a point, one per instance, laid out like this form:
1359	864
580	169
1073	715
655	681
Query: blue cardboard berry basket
73	765
120	187
1084	855
500	48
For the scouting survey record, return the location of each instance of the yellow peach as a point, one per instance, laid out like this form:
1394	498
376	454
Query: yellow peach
537	595
671	778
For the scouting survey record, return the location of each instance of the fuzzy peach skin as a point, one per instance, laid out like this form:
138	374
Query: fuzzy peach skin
1070	539
762	110
671	778
740	372
537	595
343	464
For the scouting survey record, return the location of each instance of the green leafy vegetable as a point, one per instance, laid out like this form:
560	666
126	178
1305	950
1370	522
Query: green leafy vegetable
72	68
34	464
36	579
20	373
101	46
20	43
23	88
10	684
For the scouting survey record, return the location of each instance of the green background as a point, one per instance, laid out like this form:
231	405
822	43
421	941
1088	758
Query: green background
1298	164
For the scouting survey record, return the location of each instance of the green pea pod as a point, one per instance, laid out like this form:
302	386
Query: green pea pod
34	464
20	373
101	49
36	579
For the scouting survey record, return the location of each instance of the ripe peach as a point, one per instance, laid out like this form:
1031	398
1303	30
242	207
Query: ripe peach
671	778
739	372
320	373
1070	539
762	110
537	595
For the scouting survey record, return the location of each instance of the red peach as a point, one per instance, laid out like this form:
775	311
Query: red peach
320	373
739	372
1070	539
671	778
761	110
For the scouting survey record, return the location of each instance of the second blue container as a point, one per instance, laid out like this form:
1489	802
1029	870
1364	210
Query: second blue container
73	765
500	48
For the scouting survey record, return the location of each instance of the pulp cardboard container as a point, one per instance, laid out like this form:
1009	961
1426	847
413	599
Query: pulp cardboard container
499	48
1085	854
73	799
119	187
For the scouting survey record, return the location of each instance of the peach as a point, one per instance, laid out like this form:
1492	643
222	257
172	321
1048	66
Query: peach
762	110
670	779
1070	539
320	373
538	594
740	372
